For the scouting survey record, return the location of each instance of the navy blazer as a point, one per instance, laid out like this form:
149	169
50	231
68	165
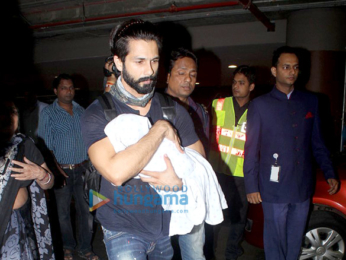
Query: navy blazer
290	128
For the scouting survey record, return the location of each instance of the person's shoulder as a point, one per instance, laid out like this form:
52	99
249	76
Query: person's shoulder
41	104
195	105
263	99
94	106
93	110
163	99
222	98
256	101
306	95
48	109
26	140
158	95
77	106
203	108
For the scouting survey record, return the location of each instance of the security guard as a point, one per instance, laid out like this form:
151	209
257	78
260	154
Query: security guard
227	152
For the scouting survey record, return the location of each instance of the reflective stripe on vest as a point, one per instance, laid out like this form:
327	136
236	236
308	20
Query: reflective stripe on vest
229	133
234	151
227	152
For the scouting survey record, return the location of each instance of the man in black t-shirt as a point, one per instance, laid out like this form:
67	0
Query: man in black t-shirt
134	224
181	80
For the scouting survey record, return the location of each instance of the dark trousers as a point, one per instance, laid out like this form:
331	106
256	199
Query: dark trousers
234	190
284	225
63	196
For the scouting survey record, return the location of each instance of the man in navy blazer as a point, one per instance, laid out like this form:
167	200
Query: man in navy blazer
283	132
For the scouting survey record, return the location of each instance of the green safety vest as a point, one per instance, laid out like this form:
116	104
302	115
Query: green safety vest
227	140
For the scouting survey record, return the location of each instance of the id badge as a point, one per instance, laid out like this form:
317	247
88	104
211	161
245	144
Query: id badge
274	175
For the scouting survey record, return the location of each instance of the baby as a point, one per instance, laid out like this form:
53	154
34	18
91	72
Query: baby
128	129
205	197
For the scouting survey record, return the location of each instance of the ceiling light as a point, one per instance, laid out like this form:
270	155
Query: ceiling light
232	66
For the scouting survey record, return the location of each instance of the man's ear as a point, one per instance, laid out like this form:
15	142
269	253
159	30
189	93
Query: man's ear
252	86
273	70
55	91
118	63
168	77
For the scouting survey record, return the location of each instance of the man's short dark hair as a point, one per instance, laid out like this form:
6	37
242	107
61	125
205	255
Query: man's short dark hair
247	71
284	49
134	29
57	80
179	54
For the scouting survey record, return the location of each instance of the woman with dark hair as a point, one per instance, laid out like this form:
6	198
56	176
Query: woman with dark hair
24	224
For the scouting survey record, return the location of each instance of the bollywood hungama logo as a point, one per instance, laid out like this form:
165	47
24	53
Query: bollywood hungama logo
96	200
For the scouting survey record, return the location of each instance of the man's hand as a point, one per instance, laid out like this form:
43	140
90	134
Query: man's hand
254	198
109	66
170	133
28	170
166	178
334	185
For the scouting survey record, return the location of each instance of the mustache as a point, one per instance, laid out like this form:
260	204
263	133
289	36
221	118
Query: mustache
147	78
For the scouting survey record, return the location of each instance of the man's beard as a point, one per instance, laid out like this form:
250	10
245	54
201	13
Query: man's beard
144	89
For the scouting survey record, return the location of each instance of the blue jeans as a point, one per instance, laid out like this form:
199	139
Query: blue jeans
63	196
125	246
191	245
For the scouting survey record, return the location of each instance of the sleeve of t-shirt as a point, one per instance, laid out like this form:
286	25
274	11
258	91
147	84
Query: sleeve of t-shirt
32	153
93	123
45	129
185	127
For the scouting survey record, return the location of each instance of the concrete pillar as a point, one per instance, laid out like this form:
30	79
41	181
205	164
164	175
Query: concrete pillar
322	33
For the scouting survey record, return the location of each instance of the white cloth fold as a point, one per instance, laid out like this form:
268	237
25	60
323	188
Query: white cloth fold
201	198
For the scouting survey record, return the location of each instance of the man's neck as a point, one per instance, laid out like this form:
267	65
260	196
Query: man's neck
285	88
142	110
183	100
242	101
68	107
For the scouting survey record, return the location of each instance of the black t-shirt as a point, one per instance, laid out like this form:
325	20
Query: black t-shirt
32	153
238	110
133	207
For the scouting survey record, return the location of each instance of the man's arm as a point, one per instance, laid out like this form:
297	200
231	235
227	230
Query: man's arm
168	177
45	133
119	167
321	154
44	130
198	147
251	160
61	171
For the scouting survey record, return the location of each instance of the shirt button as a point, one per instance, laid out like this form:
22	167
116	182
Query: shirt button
298	162
296	137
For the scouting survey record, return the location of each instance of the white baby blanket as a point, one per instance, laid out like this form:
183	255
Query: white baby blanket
201	198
